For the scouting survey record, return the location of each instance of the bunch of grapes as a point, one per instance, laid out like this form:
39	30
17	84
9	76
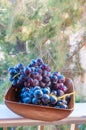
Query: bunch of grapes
39	86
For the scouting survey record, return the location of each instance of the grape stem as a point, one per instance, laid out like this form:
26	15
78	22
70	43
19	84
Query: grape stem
65	95
16	75
69	94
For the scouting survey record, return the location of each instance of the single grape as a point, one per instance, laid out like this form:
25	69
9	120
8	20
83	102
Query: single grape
54	78
38	93
34	62
48	84
39	77
42	84
46	79
39	61
60	92
36	101
64	106
39	70
12	71
35	82
14	82
26	100
57	73
61	79
27	70
46	91
55	86
53	99
36	87
63	88
45	98
11	78
20	66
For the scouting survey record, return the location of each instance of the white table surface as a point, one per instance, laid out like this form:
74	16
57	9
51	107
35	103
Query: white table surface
9	118
79	111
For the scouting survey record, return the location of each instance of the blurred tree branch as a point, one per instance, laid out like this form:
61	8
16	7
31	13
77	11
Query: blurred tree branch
77	50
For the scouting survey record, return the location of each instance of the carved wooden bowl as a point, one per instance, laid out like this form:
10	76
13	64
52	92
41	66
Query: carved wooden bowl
36	112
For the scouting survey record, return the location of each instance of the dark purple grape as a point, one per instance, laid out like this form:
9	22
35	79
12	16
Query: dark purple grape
61	79
36	88
36	74
22	72
45	98
64	106
31	92
27	70
46	91
26	100
32	69
49	74
53	99
44	73
24	89
48	84
42	84
12	71
60	92
27	84
20	66
11	78
63	88
33	63
32	75
43	66
39	77
57	73
39	61
24	94
17	69
48	68
35	82
38	93
21	78
30	81
46	79
48	88
39	70
60	103
30	65
63	101
68	98
36	101
54	79
55	86
14	82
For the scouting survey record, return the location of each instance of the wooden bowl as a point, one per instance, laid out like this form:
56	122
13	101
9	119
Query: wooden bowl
36	112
